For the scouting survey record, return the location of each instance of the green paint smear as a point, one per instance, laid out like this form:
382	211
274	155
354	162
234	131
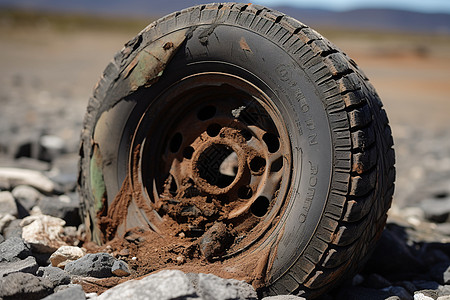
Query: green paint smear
97	182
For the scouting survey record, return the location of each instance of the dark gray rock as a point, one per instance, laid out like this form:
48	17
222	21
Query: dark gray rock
441	273
24	286
7	204
393	257
28	265
14	249
284	297
74	292
94	265
398	291
120	268
426	285
164	285
357	293
209	286
56	275
13	229
409	286
66	207
2	239
376	281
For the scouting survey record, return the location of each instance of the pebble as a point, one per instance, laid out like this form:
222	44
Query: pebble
43	233
14	249
8	204
55	275
93	265
120	268
74	292
64	255
24	286
27	265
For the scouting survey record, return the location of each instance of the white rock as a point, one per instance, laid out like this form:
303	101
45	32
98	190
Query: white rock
33	178
8	204
44	233
5	220
420	296
64	255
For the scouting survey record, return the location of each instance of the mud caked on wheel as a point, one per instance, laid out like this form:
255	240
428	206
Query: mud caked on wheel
244	138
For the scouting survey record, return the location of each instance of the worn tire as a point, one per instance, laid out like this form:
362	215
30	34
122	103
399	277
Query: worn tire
342	161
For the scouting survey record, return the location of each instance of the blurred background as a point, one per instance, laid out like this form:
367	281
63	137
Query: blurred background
53	52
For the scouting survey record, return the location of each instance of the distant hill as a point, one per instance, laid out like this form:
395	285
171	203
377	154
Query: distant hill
375	19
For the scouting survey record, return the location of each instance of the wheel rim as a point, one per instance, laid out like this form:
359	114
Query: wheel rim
214	150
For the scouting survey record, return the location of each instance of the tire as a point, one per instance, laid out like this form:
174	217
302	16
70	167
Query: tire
253	121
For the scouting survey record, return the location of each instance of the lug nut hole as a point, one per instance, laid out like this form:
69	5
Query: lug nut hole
260	207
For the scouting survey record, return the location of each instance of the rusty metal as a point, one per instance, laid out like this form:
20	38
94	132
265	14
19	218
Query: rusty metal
215	151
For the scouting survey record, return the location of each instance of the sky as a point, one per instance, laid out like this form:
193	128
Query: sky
431	6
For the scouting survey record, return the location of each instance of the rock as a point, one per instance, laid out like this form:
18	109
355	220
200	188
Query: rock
357	293
2	239
14	249
436	209
74	292
32	178
94	265
51	147
24	286
441	273
158	286
64	255
444	290
393	257
7	204
284	297
13	229
443	298
65	170
215	240
43	233
63	207
55	275
65	286
398	291
425	295
426	285
376	281
28	265
26	198
5	219
209	286
120	268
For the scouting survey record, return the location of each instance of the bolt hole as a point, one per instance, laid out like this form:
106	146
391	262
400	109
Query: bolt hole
246	134
260	207
175	142
277	165
257	164
272	142
245	192
206	113
187	152
213	129
210	162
